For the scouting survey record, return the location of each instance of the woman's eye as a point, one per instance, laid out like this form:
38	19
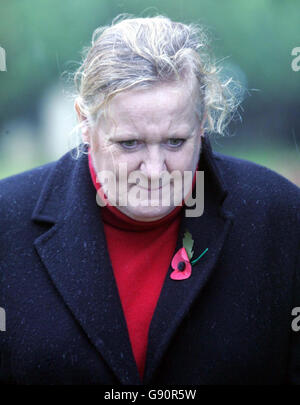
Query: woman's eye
131	144
175	142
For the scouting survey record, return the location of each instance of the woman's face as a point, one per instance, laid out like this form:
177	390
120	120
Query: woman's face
154	132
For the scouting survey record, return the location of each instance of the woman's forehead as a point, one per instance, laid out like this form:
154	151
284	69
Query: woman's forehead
165	105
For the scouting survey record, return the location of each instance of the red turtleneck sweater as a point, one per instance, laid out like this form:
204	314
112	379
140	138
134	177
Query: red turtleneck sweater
140	253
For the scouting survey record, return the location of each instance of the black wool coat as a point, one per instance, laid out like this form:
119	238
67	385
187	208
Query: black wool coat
229	323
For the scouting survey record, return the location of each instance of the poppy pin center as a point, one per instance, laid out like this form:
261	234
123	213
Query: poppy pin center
181	266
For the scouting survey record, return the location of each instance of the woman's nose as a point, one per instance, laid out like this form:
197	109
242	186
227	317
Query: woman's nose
153	164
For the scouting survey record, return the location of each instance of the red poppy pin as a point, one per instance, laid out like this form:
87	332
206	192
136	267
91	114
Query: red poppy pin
181	262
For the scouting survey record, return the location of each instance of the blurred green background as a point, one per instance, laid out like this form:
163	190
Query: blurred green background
253	40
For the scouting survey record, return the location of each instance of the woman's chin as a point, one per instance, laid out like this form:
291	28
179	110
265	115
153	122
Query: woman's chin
147	213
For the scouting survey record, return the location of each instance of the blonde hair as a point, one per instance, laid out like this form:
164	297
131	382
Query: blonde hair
142	52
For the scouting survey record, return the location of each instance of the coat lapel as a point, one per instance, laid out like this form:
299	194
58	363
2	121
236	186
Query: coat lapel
74	252
208	231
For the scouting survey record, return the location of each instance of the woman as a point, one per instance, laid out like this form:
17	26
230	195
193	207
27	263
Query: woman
98	291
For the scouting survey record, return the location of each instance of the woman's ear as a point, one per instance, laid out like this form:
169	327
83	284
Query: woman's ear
202	124
83	123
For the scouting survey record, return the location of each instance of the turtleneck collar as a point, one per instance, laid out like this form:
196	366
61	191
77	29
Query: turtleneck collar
113	216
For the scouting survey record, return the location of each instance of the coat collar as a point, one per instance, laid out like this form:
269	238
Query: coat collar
75	254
